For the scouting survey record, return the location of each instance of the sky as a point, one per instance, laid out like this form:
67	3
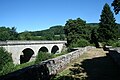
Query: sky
35	15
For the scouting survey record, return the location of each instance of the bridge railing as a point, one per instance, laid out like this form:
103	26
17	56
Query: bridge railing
3	43
17	42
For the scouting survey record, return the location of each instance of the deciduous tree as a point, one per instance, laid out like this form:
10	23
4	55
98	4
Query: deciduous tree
116	5
7	33
73	30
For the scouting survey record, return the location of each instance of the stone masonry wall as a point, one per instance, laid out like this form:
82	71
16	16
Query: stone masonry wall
57	64
44	70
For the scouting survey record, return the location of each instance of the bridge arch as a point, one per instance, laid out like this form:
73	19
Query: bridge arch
26	56
55	49
43	49
20	48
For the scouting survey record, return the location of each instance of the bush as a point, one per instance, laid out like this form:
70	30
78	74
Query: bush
59	54
82	43
42	56
116	44
20	66
110	42
9	67
6	62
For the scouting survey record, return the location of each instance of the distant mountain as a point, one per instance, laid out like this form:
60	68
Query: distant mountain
93	24
55	30
97	24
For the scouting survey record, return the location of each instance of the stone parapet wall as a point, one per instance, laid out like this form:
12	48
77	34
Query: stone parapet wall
45	69
59	63
23	42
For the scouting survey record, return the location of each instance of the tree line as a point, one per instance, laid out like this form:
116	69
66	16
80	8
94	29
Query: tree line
77	32
53	33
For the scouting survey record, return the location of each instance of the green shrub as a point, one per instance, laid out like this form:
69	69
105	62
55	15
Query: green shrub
6	62
20	66
59	54
9	67
73	45
82	43
116	44
110	42
42	56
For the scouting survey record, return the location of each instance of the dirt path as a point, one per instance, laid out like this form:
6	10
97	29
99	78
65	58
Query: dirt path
96	65
99	66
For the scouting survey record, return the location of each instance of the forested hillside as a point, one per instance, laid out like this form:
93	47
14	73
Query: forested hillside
55	30
53	33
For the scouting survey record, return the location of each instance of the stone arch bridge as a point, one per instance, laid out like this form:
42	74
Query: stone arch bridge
24	51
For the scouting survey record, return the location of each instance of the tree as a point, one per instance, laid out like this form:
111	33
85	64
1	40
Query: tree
13	34
4	34
6	62
73	30
42	56
116	5
8	33
49	36
25	36
94	38
107	30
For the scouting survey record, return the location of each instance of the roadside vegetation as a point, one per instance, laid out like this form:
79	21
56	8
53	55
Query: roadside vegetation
95	65
6	62
7	65
77	32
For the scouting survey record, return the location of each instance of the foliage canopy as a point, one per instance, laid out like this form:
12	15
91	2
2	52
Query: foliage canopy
6	62
8	33
77	30
108	29
116	5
